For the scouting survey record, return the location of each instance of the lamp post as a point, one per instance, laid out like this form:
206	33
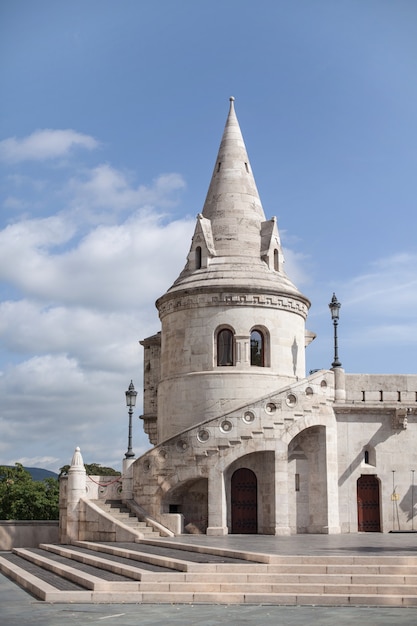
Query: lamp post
130	402
334	307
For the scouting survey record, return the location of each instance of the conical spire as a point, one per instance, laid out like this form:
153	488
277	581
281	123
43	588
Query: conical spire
234	246
232	199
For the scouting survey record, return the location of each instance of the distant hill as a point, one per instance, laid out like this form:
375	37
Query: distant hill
38	473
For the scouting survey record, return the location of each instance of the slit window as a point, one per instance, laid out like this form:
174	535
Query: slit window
276	260
198	258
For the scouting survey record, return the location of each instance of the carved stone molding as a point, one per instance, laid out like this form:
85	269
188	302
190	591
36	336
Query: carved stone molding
180	303
401	417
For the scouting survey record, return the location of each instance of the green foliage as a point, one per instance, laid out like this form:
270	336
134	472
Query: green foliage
92	469
22	498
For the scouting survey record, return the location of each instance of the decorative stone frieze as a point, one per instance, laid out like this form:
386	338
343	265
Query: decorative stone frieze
184	302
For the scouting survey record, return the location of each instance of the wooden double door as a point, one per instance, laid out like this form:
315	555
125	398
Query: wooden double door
369	514
244	498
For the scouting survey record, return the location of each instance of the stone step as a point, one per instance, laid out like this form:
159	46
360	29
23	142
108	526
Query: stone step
122	514
391	561
88	572
368	569
85	576
119	566
93	578
134	569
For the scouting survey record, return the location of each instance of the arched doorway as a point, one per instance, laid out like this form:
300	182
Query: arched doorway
244	491
369	514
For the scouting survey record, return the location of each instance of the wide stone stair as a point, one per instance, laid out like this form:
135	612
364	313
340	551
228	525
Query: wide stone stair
163	571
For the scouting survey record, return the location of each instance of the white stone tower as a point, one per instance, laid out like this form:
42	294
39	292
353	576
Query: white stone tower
233	324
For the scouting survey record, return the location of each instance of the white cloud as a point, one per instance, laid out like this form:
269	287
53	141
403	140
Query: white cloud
388	289
37	461
79	287
44	144
106	188
13	203
108	268
295	267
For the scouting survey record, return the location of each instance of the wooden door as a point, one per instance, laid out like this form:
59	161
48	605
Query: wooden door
244	490
368	504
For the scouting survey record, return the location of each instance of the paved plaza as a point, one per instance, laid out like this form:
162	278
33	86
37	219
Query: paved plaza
18	608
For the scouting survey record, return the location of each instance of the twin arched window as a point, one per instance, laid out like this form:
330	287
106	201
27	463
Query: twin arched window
226	347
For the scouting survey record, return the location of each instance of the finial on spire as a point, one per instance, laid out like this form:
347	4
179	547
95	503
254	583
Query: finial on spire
232	98
77	459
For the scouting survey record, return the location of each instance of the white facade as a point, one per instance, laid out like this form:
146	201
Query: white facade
244	442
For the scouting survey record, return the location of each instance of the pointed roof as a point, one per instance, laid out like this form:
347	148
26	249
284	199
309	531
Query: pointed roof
232	198
234	247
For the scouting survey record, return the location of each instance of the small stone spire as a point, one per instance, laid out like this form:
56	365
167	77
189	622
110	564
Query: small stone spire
232	204
77	459
76	489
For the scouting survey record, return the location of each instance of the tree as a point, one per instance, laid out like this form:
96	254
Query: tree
22	498
92	469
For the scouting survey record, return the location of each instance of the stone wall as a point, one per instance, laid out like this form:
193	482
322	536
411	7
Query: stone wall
27	533
372	442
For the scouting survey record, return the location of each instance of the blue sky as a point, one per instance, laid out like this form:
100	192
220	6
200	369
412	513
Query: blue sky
110	119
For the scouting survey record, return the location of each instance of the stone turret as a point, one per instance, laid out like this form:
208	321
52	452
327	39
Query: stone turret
233	324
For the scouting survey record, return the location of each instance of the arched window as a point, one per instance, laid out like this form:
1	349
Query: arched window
225	347
198	258
276	260
257	348
369	455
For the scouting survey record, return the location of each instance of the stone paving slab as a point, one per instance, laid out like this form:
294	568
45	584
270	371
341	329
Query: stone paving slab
358	544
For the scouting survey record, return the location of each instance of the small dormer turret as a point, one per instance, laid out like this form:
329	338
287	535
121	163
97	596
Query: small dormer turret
271	251
202	245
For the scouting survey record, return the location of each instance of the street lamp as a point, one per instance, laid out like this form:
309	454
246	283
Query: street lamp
334	307
130	402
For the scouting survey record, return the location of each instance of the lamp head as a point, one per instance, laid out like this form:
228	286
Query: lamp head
131	395
334	307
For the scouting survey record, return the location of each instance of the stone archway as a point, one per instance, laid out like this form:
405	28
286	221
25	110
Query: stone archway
308	498
191	500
